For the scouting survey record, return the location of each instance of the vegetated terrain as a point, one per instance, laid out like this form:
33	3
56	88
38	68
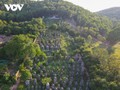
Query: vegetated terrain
54	44
113	13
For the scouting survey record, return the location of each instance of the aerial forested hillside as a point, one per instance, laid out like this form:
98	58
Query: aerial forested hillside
54	44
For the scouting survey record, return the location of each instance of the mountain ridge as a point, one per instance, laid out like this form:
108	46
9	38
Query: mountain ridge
113	13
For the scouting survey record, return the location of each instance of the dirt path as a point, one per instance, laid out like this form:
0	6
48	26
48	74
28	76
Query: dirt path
14	87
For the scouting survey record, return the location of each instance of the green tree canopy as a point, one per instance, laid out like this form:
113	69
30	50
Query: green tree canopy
22	47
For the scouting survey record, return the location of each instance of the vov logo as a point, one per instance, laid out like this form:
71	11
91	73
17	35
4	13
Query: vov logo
13	7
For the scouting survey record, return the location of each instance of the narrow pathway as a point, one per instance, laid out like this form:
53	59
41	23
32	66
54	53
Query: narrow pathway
14	87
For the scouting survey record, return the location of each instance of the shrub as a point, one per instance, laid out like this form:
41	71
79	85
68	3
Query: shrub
46	80
21	87
5	87
25	74
71	61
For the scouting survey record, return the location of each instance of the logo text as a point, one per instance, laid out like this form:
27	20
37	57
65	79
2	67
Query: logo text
13	7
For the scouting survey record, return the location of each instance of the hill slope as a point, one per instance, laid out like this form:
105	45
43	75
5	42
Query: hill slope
112	13
64	11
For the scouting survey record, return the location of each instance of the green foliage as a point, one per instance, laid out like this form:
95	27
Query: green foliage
5	87
54	27
22	47
6	78
3	68
99	83
21	87
112	13
46	80
114	35
6	75
25	74
105	67
33	27
71	61
113	86
28	62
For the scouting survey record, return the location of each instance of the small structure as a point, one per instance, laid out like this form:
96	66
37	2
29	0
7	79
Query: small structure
53	18
4	39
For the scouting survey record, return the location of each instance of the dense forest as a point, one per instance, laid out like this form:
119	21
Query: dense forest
56	45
